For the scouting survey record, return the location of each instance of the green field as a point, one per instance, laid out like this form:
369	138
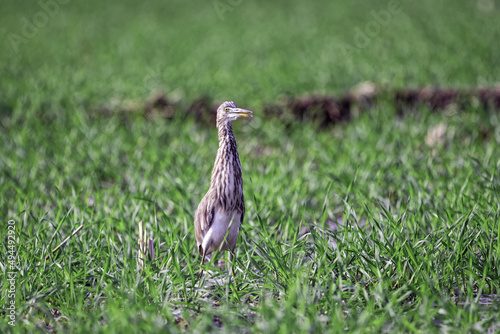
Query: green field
419	250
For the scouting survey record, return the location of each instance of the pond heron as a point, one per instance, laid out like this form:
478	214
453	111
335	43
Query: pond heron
220	213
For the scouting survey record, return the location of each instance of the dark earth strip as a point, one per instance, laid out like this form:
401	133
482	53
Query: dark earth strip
325	110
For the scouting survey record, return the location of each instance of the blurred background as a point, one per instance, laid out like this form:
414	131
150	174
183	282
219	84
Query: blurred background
89	90
92	53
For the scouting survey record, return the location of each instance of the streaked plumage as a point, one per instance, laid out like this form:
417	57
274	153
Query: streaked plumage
223	206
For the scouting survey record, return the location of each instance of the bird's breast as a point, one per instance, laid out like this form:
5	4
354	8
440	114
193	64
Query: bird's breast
219	228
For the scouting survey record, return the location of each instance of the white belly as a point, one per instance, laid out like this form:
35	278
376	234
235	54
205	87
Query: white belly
218	230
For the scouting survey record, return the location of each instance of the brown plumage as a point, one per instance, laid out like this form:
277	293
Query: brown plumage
220	213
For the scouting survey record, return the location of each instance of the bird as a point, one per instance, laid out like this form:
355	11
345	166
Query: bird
221	211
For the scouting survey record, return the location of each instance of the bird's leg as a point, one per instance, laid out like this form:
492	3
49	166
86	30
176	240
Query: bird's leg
231	267
202	277
231	264
231	261
231	252
202	260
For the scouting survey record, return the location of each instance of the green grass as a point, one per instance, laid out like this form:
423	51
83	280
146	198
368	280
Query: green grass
421	244
93	53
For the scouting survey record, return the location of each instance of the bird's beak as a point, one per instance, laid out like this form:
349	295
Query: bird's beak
238	112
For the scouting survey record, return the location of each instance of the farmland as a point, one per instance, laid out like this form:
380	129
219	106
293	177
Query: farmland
386	220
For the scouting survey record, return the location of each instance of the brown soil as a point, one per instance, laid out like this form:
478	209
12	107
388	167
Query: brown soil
328	110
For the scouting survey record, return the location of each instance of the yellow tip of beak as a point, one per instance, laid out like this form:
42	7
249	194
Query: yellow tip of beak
241	112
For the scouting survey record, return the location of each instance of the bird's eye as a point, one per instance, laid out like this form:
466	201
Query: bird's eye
227	109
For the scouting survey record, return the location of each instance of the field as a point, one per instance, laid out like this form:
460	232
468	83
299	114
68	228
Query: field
387	221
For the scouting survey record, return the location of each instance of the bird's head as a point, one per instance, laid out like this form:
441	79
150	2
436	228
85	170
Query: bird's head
228	112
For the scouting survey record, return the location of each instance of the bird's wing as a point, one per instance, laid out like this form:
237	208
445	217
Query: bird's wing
203	218
242	209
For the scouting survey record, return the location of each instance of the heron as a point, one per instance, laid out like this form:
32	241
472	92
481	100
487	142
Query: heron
221	211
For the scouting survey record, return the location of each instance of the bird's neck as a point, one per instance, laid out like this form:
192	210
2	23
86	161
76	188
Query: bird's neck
226	136
227	155
226	175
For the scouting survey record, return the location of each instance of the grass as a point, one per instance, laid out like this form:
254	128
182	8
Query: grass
420	250
94	53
